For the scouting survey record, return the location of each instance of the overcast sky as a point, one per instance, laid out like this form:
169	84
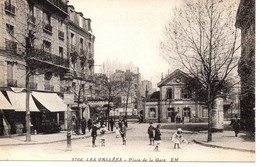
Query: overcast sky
129	31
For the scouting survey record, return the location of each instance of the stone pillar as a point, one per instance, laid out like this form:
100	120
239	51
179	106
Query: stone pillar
217	115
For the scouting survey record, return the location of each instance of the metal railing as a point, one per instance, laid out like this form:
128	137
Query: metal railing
40	54
59	4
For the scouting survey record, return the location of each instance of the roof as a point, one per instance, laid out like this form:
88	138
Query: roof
172	75
155	96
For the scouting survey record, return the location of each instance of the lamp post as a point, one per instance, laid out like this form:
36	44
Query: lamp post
69	129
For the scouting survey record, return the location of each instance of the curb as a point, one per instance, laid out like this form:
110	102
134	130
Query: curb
222	147
51	142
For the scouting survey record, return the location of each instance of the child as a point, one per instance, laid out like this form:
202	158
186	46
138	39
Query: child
103	131
178	139
157	137
117	131
150	132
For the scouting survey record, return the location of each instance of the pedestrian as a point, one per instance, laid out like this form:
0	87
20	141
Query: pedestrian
236	125
182	120
123	133
94	134
120	124
103	131
150	132
83	125
178	139
117	131
111	122
89	124
157	137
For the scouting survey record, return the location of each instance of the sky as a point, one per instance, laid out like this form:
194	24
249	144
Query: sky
129	31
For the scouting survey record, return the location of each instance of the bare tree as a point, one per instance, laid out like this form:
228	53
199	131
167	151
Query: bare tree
202	37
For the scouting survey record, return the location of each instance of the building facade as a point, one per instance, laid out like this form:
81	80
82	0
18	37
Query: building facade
36	40
245	20
173	102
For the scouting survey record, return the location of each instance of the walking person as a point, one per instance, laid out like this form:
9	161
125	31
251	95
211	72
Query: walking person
83	125
150	132
89	124
236	125
123	133
103	131
157	137
111	123
94	134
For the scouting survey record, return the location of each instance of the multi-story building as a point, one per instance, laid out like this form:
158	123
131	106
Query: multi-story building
245	20
36	37
81	50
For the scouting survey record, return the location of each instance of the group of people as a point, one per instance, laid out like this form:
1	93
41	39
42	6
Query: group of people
155	136
94	126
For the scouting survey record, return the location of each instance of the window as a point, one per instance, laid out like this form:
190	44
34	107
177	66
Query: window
10	72
10	29
47	46
31	9
90	89
47	18
169	93
61	52
186	94
72	38
81	43
152	113
205	112
89	47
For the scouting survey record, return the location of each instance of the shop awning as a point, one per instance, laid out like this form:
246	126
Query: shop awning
4	103
50	101
18	101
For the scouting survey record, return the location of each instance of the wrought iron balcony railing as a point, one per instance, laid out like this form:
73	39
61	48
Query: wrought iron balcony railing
59	4
11	46
9	8
12	82
40	54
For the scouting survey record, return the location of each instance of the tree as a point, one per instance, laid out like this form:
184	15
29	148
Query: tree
202	37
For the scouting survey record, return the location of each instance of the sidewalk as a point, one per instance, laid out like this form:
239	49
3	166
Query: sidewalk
42	138
226	140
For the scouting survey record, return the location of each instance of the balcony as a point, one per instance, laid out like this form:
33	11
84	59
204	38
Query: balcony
9	8
12	82
61	35
31	19
48	87
58	4
47	28
41	55
33	85
11	46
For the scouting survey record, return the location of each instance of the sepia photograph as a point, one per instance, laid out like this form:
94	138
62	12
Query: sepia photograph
127	81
